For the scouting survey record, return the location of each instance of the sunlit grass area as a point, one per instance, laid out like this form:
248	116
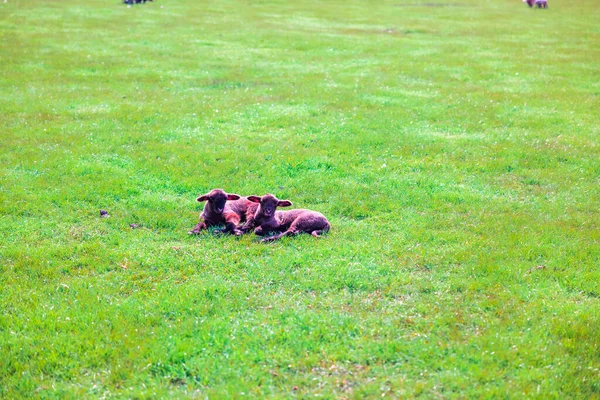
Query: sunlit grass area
453	146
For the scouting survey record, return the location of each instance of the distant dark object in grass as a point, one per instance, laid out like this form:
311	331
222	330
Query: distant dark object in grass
134	1
104	214
537	3
431	5
134	226
178	381
538	268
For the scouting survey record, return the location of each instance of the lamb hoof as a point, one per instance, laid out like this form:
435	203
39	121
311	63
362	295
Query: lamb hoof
193	232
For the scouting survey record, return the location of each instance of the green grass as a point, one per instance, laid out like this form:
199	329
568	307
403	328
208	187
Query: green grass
454	149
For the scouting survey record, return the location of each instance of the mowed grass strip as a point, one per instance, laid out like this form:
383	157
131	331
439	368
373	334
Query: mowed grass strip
453	146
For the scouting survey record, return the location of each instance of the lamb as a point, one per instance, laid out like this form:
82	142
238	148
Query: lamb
225	209
538	3
292	222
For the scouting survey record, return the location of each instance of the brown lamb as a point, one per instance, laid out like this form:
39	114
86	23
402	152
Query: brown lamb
292	222
225	209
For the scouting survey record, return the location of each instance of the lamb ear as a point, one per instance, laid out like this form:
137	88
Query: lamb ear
254	199
202	198
233	197
284	203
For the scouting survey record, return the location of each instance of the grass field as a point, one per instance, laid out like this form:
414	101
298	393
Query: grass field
454	148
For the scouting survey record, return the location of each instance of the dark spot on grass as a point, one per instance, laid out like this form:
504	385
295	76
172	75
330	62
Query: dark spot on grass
178	382
538	268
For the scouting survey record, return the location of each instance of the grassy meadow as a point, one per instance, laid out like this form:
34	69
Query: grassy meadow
453	146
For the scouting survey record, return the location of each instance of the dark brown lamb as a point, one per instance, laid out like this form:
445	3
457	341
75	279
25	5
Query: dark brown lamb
292	222
225	209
